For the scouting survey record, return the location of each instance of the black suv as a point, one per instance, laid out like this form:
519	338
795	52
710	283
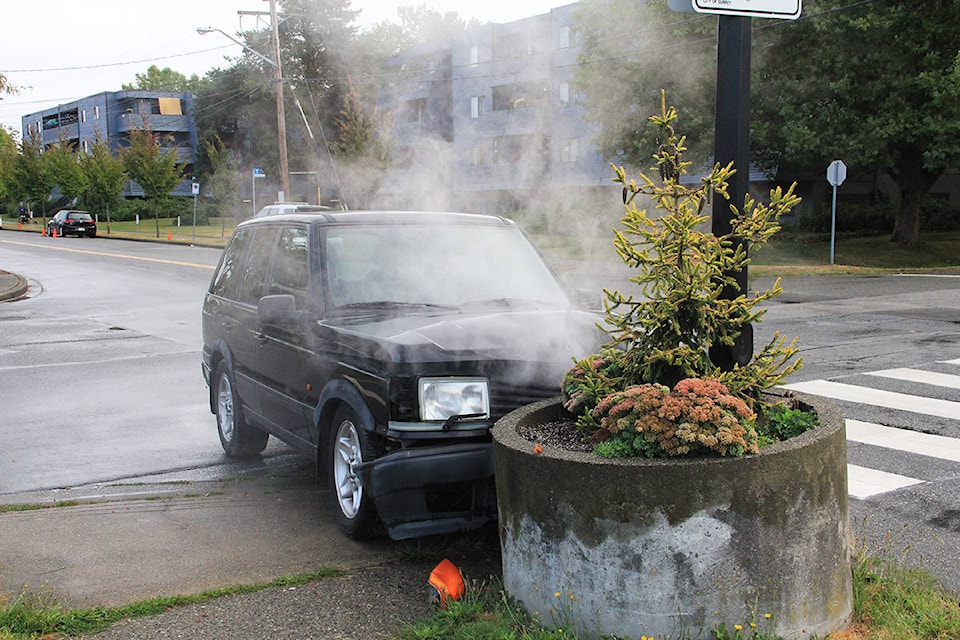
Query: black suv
384	345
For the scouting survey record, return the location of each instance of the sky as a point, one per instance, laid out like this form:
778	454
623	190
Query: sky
58	51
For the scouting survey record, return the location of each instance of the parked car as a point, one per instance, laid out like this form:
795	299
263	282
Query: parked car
279	208
71	222
384	345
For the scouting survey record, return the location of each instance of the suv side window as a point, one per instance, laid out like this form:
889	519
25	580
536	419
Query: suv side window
255	274
226	282
291	267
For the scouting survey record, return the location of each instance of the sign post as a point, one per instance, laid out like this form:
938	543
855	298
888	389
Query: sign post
257	173
836	174
732	130
195	190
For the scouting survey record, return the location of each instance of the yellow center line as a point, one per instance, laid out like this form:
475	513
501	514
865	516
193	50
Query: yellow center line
112	255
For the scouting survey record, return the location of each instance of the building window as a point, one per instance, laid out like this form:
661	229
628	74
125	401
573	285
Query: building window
569	150
83	115
565	37
477	156
96	112
474	55
476	106
564	93
86	147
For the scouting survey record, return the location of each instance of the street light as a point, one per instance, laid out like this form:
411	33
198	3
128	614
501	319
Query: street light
278	76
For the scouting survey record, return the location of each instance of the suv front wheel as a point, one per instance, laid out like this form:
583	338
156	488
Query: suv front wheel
350	445
239	440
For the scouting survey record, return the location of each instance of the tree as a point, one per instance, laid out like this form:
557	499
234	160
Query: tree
155	168
62	162
105	175
8	162
166	79
223	179
876	84
33	180
632	50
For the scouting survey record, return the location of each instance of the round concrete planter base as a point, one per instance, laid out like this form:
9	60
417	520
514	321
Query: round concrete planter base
674	548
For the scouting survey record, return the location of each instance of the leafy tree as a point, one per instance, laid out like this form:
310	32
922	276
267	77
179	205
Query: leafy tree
155	168
63	165
223	180
8	162
105	174
166	79
874	83
33	180
632	50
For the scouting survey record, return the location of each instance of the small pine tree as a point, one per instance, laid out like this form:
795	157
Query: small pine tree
663	333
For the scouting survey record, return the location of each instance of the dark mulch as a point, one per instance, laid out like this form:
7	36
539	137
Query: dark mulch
561	433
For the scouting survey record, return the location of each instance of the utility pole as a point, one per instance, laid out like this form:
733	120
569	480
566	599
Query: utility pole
281	118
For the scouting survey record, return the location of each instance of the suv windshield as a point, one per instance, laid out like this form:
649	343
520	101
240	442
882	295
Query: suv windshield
445	266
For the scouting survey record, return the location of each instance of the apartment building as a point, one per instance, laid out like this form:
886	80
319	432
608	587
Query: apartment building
112	115
488	119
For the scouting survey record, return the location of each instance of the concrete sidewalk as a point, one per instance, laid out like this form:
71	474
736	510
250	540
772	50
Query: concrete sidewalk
116	544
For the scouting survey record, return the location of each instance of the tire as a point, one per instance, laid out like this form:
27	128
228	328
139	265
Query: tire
350	445
238	439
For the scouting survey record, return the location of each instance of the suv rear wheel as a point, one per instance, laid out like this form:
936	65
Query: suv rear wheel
239	440
350	446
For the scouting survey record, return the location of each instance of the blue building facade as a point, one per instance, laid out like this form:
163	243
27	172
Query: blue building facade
490	115
111	116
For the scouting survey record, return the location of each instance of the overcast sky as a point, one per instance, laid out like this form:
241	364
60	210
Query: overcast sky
60	50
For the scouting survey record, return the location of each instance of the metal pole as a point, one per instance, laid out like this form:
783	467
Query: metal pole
253	186
833	222
732	144
281	118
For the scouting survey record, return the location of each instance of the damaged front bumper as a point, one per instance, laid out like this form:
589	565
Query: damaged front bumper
420	491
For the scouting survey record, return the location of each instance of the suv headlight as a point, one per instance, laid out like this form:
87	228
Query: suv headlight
442	398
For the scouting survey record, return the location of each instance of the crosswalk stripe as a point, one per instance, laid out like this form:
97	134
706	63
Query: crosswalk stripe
925	444
879	398
863	482
916	375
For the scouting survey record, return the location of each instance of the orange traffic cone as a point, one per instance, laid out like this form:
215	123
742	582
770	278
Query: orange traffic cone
53	232
446	583
19	225
169	236
43	231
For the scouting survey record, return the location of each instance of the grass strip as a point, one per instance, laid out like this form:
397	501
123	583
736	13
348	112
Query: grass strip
30	616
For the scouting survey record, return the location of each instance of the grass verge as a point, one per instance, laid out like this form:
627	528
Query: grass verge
31	616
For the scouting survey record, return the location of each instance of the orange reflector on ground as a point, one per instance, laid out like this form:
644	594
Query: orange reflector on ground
447	581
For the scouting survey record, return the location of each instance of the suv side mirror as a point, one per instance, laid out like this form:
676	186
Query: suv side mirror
277	309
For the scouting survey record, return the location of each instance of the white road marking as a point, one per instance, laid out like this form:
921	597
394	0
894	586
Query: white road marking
879	398
864	483
916	375
924	444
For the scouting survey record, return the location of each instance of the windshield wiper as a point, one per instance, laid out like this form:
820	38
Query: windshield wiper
396	304
508	303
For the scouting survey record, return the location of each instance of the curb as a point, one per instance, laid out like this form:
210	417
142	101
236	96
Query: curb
12	286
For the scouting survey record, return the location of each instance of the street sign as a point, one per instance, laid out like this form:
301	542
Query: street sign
788	9
258	173
836	173
195	188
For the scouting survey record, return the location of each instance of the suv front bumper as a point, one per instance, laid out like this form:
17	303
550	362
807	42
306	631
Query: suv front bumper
422	491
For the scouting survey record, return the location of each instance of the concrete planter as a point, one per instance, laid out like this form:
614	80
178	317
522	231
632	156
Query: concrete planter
672	548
